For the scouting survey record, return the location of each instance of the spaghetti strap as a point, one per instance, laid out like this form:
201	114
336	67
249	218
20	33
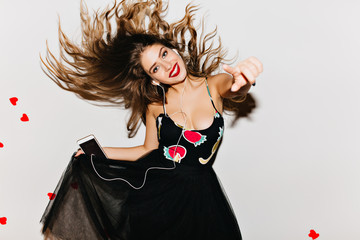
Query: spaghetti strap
208	90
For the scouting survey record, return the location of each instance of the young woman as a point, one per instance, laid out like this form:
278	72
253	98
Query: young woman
165	188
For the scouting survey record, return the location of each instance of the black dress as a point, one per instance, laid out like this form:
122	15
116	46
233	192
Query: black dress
172	193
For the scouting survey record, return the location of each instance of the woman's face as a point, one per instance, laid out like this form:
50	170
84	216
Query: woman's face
163	64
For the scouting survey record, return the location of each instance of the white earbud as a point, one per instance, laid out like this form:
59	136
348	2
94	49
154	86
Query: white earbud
176	51
155	83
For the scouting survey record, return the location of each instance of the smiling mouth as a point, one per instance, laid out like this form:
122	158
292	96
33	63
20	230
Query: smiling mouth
174	71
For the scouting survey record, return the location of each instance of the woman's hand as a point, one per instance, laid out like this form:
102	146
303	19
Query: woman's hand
79	152
244	72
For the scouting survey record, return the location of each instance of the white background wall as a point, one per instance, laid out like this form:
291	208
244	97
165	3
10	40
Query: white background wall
293	166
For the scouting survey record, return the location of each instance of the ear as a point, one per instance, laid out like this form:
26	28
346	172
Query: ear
156	83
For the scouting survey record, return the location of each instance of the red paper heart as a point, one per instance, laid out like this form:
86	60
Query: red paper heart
13	100
24	118
3	220
1	145
313	234
51	196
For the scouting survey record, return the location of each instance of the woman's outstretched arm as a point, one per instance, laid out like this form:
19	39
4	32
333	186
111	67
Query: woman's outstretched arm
134	153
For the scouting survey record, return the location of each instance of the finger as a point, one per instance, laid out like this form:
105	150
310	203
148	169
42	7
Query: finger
79	152
257	63
248	75
239	83
227	68
231	70
248	71
255	72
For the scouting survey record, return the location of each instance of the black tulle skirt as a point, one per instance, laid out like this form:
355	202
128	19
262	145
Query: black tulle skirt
181	203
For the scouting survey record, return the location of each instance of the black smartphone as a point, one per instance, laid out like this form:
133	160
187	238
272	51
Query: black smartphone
90	146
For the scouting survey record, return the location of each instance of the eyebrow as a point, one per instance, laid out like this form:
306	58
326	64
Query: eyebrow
155	62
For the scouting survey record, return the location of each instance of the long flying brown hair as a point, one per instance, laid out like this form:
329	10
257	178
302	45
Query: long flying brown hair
105	66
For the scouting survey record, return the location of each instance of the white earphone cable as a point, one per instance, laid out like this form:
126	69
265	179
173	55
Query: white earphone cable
150	168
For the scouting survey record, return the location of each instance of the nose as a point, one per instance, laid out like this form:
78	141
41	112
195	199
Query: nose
167	65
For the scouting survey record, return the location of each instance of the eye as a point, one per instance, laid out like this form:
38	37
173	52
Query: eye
165	53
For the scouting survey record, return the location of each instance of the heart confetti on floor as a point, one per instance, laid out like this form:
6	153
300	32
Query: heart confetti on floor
13	100
24	118
3	220
313	234
51	196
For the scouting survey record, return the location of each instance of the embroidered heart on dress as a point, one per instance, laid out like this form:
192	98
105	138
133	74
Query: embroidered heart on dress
170	153
194	137
313	234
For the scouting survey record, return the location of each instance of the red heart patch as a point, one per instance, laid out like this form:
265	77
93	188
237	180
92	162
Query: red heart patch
51	196
313	234
3	220
1	145
177	150
24	118
192	136
13	100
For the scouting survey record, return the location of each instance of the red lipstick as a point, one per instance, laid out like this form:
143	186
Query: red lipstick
174	71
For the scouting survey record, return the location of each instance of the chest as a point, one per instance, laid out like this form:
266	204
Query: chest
194	111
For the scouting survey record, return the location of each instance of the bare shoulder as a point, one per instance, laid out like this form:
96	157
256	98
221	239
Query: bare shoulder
219	77
219	81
